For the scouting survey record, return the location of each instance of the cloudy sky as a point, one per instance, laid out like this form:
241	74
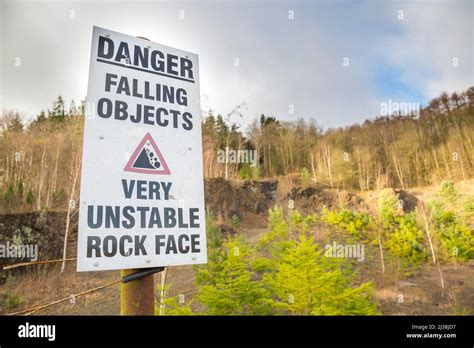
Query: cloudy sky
290	54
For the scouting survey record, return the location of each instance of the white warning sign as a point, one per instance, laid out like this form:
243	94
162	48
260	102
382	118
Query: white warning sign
142	191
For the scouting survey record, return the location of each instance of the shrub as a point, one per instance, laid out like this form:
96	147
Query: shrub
235	222
11	299
305	176
406	242
255	173
357	224
172	305
29	197
215	255
245	172
452	232
448	192
388	205
468	207
277	226
457	241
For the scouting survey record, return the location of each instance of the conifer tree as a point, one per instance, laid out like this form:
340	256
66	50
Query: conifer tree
233	290
305	282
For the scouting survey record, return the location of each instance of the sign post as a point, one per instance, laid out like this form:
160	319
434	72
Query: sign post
142	190
137	296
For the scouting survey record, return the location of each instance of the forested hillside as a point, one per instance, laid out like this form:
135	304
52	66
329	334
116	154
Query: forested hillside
364	220
40	160
395	151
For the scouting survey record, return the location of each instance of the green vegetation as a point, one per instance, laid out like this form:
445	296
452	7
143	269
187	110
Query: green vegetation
287	272
235	222
226	284
172	305
234	290
302	281
305	177
283	275
403	238
404	241
357	224
388	206
448	192
10	299
245	172
450	223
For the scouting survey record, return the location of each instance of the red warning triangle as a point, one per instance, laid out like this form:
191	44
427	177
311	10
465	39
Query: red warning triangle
147	158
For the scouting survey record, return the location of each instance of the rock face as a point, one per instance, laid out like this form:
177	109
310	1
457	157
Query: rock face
313	198
225	199
409	201
44	229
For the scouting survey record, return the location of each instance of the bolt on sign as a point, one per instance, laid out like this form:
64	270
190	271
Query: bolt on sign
142	192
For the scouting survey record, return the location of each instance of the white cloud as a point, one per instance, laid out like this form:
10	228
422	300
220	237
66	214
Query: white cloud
282	62
433	33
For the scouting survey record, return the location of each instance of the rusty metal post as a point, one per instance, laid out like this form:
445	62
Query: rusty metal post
137	297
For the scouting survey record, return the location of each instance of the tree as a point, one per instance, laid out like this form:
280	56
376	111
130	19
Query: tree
305	282
232	290
456	100
444	99
300	278
73	109
58	110
11	121
16	124
388	205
